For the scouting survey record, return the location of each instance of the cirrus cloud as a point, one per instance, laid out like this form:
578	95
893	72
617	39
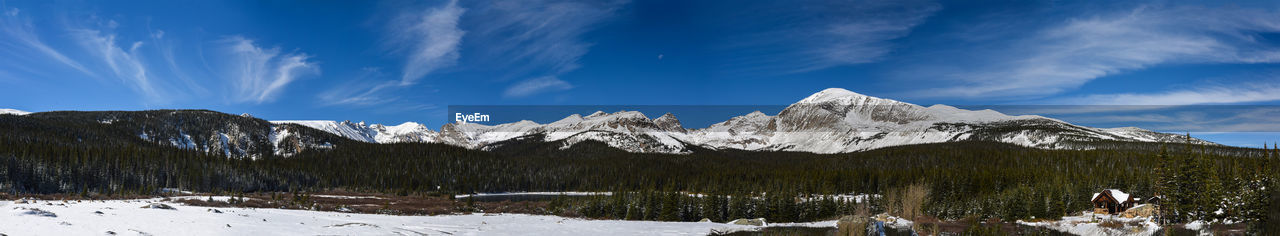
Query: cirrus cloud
535	86
260	74
1064	56
430	38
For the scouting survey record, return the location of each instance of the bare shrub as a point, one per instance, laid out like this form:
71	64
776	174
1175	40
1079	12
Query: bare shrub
913	199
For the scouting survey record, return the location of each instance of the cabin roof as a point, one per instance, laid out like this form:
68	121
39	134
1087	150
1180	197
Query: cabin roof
1120	196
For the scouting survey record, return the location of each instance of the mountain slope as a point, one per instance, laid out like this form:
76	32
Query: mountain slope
408	132
830	121
837	120
207	131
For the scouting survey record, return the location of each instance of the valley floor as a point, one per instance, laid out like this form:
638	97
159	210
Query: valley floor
128	217
1098	224
174	216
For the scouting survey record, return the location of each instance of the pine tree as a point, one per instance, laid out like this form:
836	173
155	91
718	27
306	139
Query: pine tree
1167	187
1211	192
707	208
670	210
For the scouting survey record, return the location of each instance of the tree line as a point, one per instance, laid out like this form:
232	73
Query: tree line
961	179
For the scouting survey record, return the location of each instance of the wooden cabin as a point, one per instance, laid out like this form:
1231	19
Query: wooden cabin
1112	201
1154	200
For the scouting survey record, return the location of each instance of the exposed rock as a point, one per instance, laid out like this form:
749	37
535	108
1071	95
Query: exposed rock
158	205
1144	210
753	222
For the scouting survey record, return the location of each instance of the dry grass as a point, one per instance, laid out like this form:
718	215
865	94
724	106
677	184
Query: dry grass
852	226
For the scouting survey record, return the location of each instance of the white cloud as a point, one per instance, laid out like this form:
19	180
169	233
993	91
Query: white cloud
125	64
431	39
1240	93
539	37
365	95
20	37
362	90
1188	119
535	86
1242	119
166	49
828	34
260	74
1067	55
863	40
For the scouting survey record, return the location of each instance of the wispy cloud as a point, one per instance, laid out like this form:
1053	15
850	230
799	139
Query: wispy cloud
260	74
1242	119
538	39
430	39
365	89
828	34
166	49
1065	56
543	36
1261	91
21	39
1173	118
124	63
535	86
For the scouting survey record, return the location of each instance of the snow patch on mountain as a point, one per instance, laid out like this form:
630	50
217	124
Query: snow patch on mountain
8	111
375	133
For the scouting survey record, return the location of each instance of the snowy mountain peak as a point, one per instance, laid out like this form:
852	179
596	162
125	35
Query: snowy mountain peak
831	94
410	124
668	122
842	97
575	118
376	133
596	114
619	115
841	109
13	112
667	116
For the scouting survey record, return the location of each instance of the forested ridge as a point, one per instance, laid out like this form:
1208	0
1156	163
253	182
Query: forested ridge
62	154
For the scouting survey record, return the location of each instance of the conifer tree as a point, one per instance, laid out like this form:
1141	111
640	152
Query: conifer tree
670	210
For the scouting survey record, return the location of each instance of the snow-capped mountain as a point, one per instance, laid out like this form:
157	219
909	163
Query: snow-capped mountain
207	131
831	121
837	120
13	111
375	133
627	130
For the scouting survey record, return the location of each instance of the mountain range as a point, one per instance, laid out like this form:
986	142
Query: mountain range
831	121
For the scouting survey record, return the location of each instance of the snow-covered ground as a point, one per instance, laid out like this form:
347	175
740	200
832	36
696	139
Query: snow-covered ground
127	217
1089	224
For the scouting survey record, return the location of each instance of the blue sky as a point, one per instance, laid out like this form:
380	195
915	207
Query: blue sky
391	62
